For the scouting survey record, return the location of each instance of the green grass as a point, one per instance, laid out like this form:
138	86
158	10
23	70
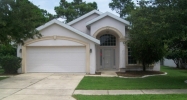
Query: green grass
173	80
133	97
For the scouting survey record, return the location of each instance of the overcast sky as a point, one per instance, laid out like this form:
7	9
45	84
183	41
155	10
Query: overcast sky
50	4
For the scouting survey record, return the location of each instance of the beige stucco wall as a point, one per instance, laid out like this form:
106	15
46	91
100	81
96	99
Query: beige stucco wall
55	42
122	58
156	66
55	31
81	25
107	21
113	25
19	51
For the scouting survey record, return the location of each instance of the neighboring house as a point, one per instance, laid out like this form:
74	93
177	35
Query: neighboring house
90	43
169	62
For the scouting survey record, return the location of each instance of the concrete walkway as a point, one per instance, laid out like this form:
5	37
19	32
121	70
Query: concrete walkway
126	92
40	86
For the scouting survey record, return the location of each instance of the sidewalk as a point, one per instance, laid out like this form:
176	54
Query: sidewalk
127	92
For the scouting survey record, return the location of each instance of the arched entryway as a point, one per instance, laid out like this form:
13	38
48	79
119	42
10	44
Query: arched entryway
108	50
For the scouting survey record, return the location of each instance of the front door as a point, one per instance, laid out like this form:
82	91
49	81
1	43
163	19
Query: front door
108	58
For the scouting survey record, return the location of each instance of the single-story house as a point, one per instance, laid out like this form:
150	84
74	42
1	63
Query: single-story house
90	43
169	62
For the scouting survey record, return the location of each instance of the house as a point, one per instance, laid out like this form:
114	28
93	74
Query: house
169	62
90	43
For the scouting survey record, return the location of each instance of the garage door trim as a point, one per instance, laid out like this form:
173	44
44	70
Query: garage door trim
24	47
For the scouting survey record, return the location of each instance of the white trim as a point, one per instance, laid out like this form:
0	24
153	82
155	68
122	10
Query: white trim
110	15
165	73
54	21
84	16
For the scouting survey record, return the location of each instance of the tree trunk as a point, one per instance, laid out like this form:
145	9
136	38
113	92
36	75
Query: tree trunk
144	66
183	63
176	61
177	65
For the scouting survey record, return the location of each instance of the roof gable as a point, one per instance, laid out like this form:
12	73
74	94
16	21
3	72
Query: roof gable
110	15
54	21
84	16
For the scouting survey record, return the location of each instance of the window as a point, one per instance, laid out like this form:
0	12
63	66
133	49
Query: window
108	40
131	60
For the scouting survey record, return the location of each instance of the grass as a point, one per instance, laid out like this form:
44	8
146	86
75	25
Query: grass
133	97
173	80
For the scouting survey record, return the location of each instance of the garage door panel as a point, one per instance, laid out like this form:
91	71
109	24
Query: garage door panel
56	59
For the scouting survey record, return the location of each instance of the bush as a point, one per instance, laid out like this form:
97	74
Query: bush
7	50
10	64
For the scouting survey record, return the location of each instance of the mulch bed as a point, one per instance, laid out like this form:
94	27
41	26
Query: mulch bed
96	73
3	74
138	73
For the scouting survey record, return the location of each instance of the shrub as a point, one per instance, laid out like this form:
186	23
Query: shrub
7	50
10	64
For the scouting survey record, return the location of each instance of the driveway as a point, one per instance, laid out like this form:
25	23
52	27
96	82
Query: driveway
40	86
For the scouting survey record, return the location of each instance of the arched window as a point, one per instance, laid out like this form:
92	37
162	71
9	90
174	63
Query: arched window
108	40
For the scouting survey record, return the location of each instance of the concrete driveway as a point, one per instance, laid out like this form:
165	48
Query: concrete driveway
39	86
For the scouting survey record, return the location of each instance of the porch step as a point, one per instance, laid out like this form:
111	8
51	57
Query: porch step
108	73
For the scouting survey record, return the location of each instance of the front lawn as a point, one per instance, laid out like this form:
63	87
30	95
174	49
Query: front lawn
133	97
173	80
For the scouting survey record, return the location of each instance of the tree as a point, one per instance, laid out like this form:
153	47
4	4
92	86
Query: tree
174	29
175	56
122	7
157	24
146	50
7	50
147	47
47	16
177	51
73	10
18	20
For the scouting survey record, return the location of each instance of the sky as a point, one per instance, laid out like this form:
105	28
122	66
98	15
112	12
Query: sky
50	4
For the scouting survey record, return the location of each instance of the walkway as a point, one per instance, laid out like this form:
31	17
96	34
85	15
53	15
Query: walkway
126	92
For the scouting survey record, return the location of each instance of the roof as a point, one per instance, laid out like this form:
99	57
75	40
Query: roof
84	16
110	15
54	21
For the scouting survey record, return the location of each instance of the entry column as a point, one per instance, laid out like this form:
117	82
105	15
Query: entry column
121	54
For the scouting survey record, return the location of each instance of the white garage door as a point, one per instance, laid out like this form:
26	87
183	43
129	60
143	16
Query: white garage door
55	59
